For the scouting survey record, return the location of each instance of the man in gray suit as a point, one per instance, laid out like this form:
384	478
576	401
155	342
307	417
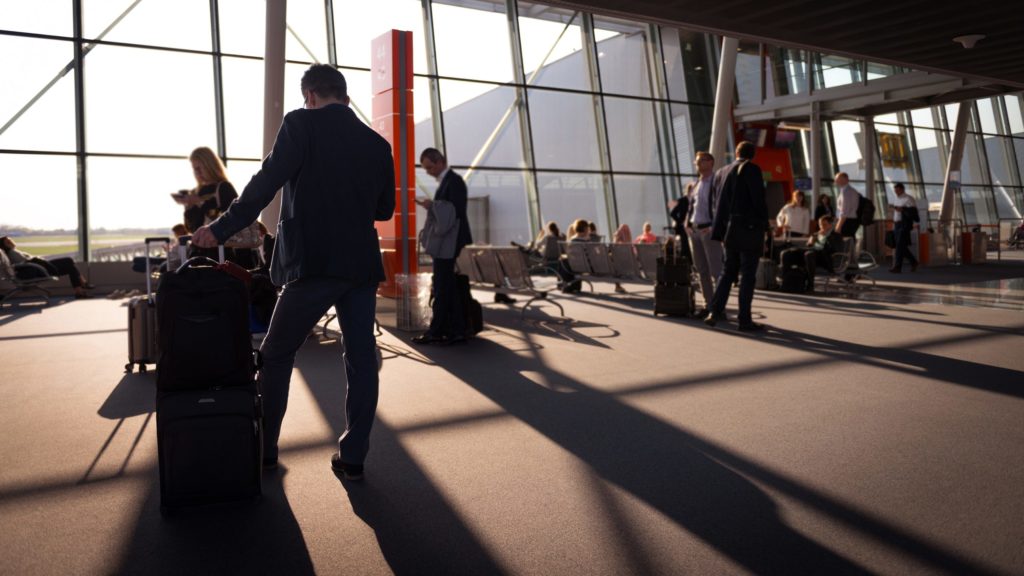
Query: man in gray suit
338	178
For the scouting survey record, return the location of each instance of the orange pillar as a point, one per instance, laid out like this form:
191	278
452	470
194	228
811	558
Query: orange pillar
393	119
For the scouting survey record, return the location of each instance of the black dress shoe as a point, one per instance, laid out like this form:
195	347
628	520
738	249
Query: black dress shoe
502	298
344	470
713	318
427	338
455	340
750	327
895	270
701	314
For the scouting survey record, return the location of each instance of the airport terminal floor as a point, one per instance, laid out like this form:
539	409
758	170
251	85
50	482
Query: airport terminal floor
879	433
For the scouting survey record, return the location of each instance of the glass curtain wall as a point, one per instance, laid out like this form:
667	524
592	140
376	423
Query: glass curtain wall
549	113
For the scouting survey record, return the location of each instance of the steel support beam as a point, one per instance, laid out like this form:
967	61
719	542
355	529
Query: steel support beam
273	92
721	124
951	184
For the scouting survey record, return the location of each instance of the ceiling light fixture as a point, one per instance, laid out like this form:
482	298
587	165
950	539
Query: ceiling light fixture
969	40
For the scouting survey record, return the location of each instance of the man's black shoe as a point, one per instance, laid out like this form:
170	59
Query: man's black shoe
713	318
344	470
427	338
455	340
701	314
502	298
750	327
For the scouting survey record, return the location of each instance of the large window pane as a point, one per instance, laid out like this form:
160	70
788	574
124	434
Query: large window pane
933	161
987	115
972	169
171	23
243	27
176	114
48	123
999	158
924	118
564	130
423	115
631	135
849	145
481	129
1013	111
122	212
552	47
463	35
51	207
978	205
306	36
832	71
358	22
640	199
243	107
748	73
497	207
622	56
567	197
894	153
39	16
691	127
686	66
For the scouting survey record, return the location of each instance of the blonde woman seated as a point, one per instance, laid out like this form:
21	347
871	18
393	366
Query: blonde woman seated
648	236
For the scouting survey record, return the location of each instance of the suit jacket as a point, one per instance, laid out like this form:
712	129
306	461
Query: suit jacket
338	177
453	189
747	187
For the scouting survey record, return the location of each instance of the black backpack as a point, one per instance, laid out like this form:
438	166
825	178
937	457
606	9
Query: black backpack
866	211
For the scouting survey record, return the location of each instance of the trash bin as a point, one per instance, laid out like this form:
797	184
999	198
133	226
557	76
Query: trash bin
413	307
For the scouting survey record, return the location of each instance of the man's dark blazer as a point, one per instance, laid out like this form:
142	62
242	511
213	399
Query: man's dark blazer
453	189
747	186
338	177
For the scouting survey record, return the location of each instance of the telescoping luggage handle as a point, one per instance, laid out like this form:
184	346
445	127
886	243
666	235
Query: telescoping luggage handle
149	271
183	242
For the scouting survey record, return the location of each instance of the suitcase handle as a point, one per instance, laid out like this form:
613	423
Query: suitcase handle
196	261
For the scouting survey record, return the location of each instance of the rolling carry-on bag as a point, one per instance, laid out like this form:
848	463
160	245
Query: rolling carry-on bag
143	345
673	299
208	406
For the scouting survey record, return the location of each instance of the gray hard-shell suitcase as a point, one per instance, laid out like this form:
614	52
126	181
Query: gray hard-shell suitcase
143	345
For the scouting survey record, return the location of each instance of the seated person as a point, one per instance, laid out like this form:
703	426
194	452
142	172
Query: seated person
648	236
55	267
821	247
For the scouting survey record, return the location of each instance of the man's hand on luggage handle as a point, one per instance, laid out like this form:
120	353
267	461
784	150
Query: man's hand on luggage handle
204	238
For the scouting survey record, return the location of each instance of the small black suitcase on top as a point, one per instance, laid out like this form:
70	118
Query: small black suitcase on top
143	339
208	406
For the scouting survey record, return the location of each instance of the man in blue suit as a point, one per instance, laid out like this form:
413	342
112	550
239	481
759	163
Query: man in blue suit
338	178
740	187
448	325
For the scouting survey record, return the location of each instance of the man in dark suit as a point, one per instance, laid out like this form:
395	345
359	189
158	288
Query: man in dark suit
338	177
448	325
741	191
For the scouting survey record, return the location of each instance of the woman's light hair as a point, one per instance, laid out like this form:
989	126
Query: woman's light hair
211	164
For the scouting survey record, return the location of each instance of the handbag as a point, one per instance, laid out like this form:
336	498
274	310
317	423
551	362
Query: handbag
248	237
890	238
742	232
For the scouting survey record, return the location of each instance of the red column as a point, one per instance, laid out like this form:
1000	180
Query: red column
393	119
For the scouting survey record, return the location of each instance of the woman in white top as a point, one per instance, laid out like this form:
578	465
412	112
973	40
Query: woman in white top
795	217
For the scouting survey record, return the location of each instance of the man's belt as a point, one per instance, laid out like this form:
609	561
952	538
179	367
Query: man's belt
701	226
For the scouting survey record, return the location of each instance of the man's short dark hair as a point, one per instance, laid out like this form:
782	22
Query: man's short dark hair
899	185
326	81
746	150
432	154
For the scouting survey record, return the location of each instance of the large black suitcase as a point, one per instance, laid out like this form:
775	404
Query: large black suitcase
210	445
473	311
673	300
208	406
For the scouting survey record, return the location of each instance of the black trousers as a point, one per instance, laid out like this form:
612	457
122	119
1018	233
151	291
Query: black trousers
61	267
449	315
902	233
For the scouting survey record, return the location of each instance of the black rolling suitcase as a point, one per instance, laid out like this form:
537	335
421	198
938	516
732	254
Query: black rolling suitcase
794	271
208	406
473	311
143	347
673	292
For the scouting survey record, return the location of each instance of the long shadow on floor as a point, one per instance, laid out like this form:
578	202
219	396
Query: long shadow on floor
416	528
687	479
